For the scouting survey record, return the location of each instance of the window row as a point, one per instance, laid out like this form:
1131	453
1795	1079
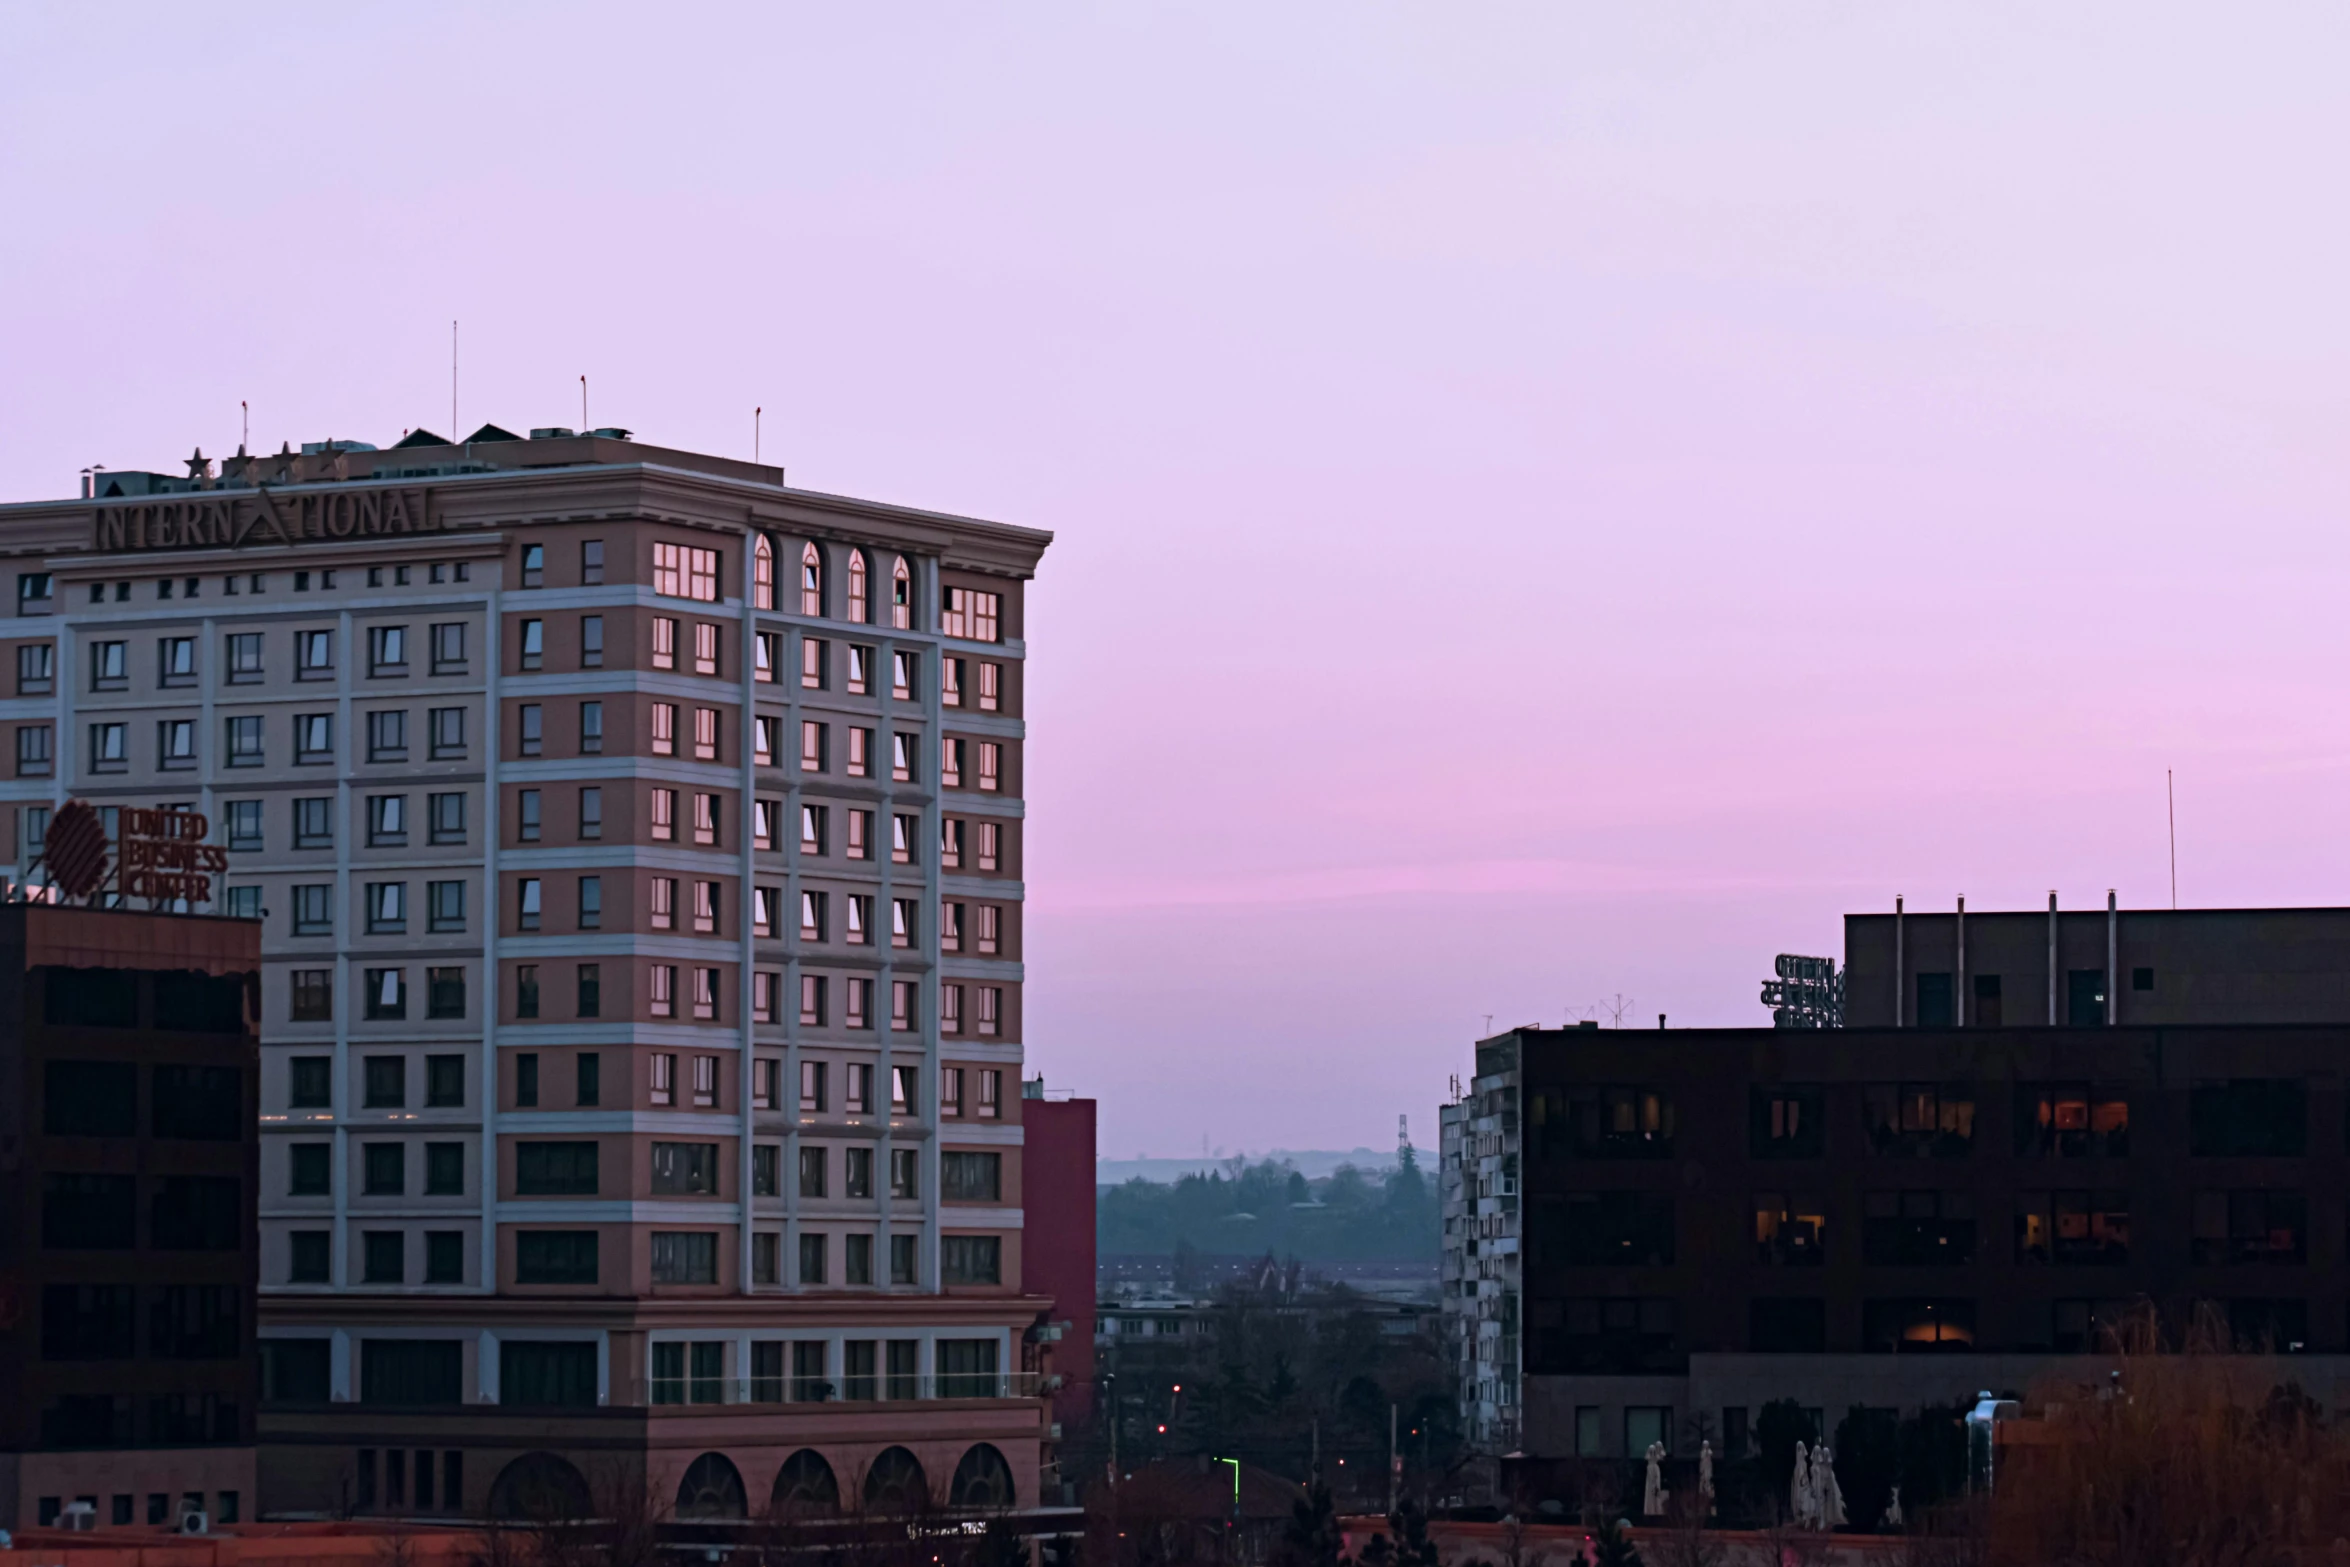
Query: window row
383	994
381	1256
978	1009
1799	1325
383	1170
102	1321
86	1098
383	1082
312	736
310	821
244	656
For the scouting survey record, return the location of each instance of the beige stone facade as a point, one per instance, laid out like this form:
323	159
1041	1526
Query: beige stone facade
638	846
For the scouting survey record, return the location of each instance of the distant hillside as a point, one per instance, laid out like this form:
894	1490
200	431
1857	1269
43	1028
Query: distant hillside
1351	1215
1312	1163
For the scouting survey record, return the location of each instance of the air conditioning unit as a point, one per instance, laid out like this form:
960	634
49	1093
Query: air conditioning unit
193	1522
78	1516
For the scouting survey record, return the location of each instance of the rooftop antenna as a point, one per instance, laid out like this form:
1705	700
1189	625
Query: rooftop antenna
1617	1008
2170	790
452	380
244	424
1489	1024
583	425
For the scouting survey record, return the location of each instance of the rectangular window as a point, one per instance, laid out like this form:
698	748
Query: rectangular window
763	740
1790	1231
2078	1228
591	813
970	1176
706	734
663	990
813	737
858	911
530	729
387	908
991	765
526	991
1917	1229
902	1270
35	751
664	643
664	728
860	661
706	995
903	916
991	1010
587	1078
991	687
765	1074
991	843
534	565
533	648
970	615
950	927
1786	1122
812	1088
590	1000
765	647
706	819
244	658
857	1003
1618	1229
664	815
109	748
685	1257
765	1167
950	763
387	821
813	1246
857	1097
950	682
763	901
387	651
901	747
566	1169
815	663
175	659
175	742
555	1257
860	753
2072	1120
386	1082
663	1087
902	680
314	822
591	903
387	994
448	733
950	1092
444	992
384	1260
526	1079
444	1170
950	1009
591	728
526	903
312	998
685	1169
444	1082
812	1167
2248	1118
447	817
314	655
860	828
310	1170
591	641
904	1170
662	890
968	1259
1917	1326
109	666
526	815
448	648
1919	1120
2250	1227
812	999
591	563
313	914
705	648
243	823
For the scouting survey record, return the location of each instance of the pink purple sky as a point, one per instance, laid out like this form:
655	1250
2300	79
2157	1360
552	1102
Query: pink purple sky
1554	501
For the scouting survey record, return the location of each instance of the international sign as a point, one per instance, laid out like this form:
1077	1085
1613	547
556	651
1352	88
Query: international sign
231	519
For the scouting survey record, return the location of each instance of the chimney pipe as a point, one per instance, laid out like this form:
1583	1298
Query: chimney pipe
1900	969
2053	974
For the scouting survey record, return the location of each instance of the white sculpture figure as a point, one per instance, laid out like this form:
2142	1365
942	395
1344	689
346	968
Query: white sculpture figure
1705	1477
1823	1475
1893	1519
1801	1502
1652	1498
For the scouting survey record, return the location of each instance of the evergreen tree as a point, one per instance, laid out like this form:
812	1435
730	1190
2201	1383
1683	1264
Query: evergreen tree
1413	1548
1312	1537
1612	1547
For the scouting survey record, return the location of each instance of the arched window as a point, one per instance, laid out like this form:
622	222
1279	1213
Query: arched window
711	1489
811	580
895	1483
901	596
763	574
804	1485
542	1488
982	1479
857	587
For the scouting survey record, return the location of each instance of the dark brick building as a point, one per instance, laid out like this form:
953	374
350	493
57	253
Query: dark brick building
1894	1216
128	1157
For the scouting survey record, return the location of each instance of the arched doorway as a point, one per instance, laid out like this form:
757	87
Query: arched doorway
542	1488
894	1483
982	1479
804	1485
712	1488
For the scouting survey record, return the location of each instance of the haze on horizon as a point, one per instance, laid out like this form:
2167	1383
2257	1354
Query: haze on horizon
1553	502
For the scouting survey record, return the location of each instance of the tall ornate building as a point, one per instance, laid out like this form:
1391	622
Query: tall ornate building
637	843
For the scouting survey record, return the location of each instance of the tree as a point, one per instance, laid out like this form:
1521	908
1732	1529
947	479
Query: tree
1868	1463
1612	1547
1413	1548
1312	1537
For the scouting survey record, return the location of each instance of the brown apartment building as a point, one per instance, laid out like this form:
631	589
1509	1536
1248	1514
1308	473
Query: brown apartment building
637	847
1651	1234
128	1156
